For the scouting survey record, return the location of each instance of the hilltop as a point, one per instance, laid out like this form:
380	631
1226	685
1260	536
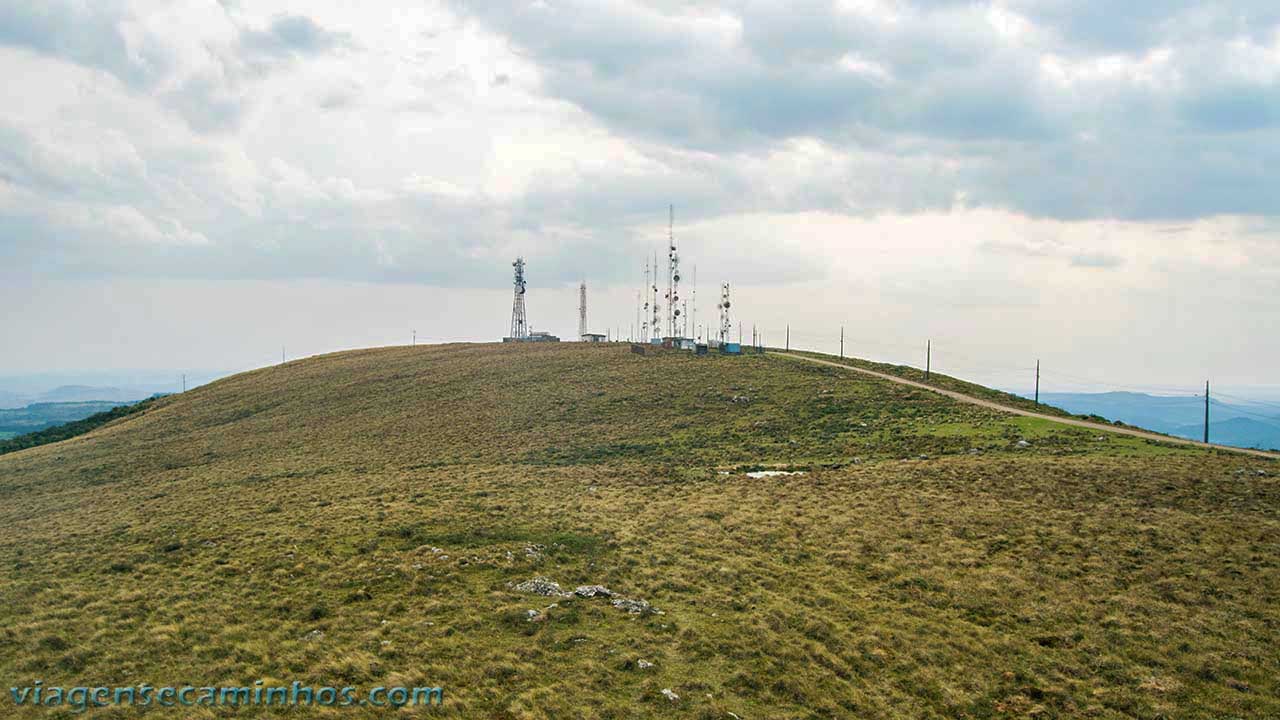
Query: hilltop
365	517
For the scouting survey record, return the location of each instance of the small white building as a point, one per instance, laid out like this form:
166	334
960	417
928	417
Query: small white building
593	337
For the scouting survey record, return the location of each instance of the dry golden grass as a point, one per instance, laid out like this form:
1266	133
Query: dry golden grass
201	541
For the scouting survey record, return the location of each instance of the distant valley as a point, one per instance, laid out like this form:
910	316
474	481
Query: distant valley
117	386
38	416
1253	425
10	400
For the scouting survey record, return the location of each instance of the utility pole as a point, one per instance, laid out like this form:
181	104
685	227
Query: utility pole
928	358
1037	383
184	382
788	338
739	332
413	342
1206	412
841	342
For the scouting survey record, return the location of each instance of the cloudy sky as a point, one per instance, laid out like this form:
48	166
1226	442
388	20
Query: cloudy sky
194	183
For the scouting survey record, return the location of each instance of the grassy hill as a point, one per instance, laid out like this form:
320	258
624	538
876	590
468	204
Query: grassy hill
362	519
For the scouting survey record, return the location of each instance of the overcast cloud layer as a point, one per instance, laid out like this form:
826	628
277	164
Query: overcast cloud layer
987	156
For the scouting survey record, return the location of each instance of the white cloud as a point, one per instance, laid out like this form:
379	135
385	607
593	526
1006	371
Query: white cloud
998	154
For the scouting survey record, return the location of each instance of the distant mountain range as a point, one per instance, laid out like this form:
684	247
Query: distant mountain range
118	386
1243	424
78	394
39	416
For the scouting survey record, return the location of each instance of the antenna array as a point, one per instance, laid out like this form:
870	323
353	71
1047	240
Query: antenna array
724	313
519	324
673	278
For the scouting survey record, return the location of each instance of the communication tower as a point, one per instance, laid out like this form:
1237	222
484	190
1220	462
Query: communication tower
673	278
724	313
655	326
519	324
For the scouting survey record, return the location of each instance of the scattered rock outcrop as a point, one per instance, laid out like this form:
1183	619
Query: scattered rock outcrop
542	586
635	607
547	587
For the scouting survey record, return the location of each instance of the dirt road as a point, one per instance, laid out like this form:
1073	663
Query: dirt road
1027	413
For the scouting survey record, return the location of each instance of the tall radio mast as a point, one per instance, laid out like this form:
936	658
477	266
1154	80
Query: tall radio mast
655	329
644	323
724	313
673	277
690	320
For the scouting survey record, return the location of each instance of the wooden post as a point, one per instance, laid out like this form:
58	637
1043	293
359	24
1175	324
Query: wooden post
1206	412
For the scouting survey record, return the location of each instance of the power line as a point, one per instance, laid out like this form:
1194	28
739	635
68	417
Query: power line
1236	409
1247	400
1095	381
993	370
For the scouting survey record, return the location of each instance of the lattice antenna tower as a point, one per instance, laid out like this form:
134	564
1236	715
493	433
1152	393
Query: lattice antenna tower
724	313
673	278
519	323
644	322
655	326
582	311
692	316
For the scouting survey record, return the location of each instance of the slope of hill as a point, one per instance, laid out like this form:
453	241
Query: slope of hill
365	518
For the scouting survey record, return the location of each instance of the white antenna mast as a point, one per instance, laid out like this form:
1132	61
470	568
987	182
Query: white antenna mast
582	311
644	324
655	329
724	313
673	277
693	297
